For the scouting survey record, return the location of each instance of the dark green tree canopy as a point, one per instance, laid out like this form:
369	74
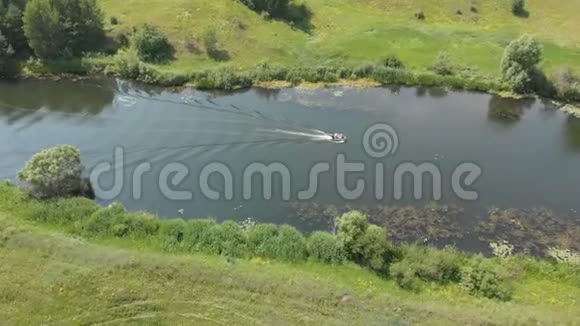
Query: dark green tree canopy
63	28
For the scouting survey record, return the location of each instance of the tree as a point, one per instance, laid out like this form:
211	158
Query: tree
518	65
5	55
63	28
152	44
43	29
55	172
11	25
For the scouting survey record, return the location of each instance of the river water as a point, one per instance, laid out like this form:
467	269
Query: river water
528	152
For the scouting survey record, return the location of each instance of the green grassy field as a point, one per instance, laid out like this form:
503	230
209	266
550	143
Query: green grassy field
53	279
358	31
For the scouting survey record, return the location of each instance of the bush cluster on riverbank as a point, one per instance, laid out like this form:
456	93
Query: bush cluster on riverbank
357	242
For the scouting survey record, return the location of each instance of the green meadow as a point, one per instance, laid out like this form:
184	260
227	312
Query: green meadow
357	31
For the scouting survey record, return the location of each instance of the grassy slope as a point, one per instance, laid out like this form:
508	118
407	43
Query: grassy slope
51	278
361	30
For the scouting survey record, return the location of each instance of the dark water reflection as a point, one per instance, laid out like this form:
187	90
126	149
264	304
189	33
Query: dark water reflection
534	162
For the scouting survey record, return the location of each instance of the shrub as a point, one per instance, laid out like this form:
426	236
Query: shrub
172	234
388	75
427	264
213	48
405	275
274	8
518	7
105	221
375	248
125	64
140	224
195	231
484	277
442	65
420	15
351	229
152	44
223	78
363	70
267	72
326	248
393	62
290	244
261	240
224	239
114	20
519	63
567	84
55	172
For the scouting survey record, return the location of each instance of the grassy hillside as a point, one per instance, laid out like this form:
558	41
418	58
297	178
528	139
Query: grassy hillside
50	276
358	31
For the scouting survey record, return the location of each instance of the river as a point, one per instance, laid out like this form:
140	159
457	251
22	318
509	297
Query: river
526	153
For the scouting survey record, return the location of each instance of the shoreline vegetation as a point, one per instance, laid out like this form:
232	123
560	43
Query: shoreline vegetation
466	45
360	262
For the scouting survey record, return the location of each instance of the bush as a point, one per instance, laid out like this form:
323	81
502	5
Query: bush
424	264
274	8
125	64
267	72
290	244
152	44
518	7
106	221
55	172
388	75
195	231
140	225
222	78
363	70
442	65
484	277
213	48
519	62
375	248
420	15
262	240
172	234
393	62
224	239
351	229
326	248
114	20
567	84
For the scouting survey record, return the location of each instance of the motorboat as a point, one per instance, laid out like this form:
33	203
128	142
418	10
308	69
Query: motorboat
339	138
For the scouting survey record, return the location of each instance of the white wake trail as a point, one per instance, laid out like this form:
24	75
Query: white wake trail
316	135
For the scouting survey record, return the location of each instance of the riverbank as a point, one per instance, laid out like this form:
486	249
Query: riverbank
51	274
374	44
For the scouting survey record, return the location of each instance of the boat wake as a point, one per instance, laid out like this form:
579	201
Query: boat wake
314	135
